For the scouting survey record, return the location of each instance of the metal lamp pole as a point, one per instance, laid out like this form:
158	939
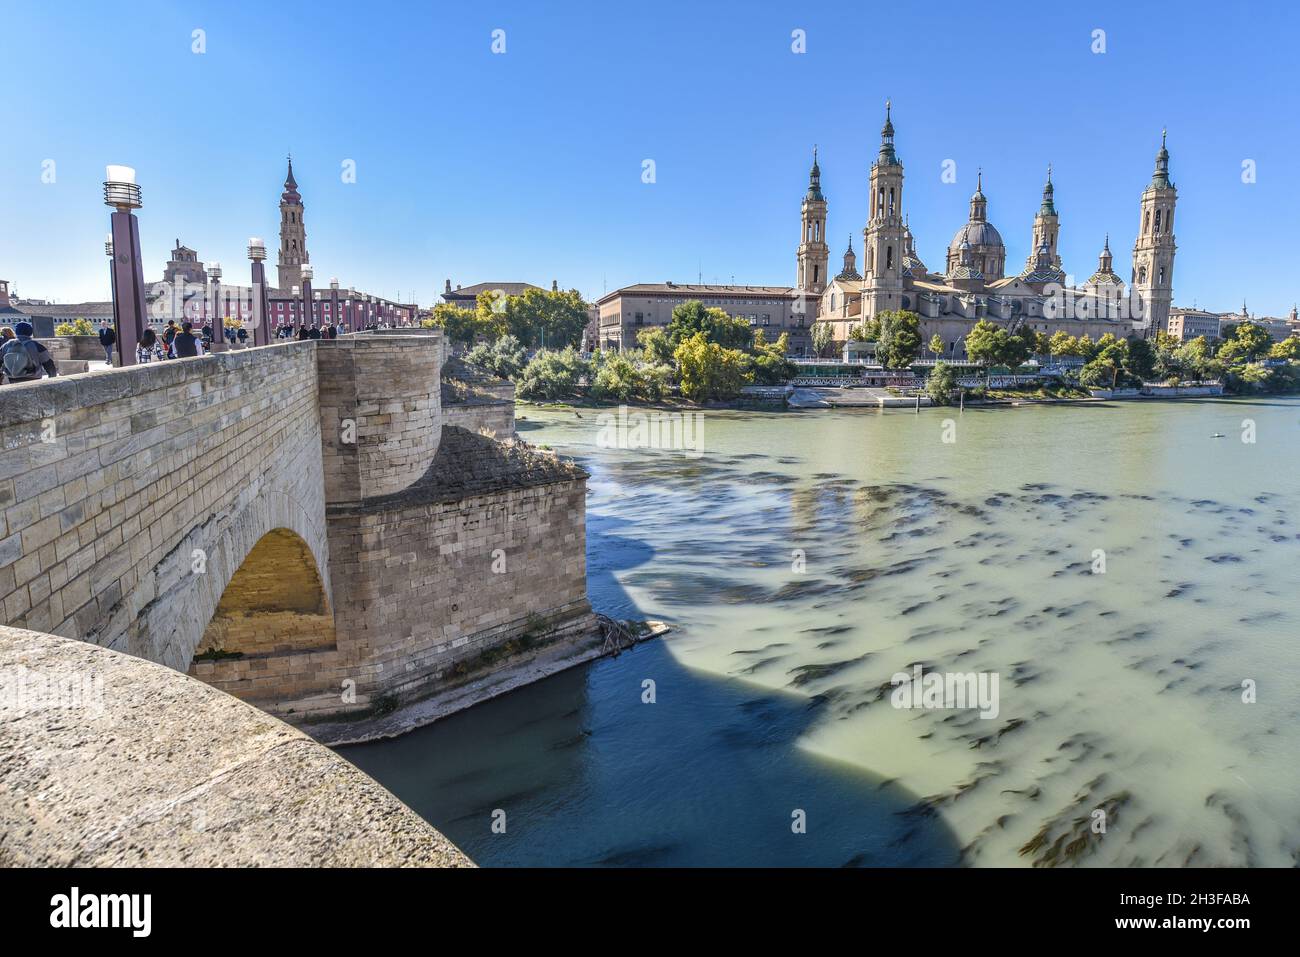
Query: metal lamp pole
261	306
307	274
218	325
123	194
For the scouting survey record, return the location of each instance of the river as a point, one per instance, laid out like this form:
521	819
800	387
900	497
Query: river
1129	578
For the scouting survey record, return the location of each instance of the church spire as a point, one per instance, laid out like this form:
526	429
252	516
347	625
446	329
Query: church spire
291	194
887	155
978	204
1160	178
1049	204
815	179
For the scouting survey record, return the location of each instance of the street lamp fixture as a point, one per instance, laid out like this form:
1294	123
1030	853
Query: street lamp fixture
120	189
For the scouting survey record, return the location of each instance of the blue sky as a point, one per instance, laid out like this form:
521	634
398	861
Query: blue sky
527	165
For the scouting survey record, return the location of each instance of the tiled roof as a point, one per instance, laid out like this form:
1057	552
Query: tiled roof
695	290
471	292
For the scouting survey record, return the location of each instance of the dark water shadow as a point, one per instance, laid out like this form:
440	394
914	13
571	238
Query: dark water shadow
589	774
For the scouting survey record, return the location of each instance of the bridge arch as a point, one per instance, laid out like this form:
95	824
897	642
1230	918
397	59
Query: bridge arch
275	602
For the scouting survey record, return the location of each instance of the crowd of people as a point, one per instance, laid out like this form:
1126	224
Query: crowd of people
23	359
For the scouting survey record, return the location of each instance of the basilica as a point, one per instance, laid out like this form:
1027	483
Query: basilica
973	283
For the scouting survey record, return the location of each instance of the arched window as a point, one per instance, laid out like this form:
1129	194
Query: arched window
889	257
1158	212
1146	221
1142	273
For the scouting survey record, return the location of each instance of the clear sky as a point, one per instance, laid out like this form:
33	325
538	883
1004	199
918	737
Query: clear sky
527	165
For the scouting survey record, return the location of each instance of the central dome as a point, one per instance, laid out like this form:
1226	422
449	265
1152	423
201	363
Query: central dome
977	234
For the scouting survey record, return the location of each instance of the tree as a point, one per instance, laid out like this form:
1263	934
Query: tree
868	331
552	374
768	364
457	324
618	378
936	345
1249	340
1018	347
1062	344
708	370
1140	361
506	357
544	317
985	342
822	338
1288	348
656	344
900	338
941	383
80	326
693	317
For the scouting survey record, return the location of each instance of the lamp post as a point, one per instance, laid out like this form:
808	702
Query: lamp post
334	304
308	312
261	306
218	326
123	194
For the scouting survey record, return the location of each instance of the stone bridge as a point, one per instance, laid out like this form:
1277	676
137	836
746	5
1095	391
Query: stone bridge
297	524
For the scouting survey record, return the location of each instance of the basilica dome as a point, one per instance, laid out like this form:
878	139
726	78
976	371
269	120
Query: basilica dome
978	244
977	234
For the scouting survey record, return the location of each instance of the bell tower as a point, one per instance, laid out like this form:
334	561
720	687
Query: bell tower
1047	226
883	237
814	254
293	235
1153	252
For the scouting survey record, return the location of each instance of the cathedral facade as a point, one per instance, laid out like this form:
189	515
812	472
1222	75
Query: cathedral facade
974	283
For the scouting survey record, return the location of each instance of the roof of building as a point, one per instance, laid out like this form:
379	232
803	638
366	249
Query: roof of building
65	310
695	290
471	292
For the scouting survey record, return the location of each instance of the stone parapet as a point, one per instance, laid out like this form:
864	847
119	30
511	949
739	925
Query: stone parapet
113	761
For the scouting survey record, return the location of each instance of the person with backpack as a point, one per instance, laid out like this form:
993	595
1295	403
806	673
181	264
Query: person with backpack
107	339
169	339
23	357
186	343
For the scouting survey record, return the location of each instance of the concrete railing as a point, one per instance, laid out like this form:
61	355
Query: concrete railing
108	760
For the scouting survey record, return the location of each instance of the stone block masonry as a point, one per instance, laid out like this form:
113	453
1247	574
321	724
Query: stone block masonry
300	517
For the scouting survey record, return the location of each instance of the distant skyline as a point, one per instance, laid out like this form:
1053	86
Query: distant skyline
527	165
